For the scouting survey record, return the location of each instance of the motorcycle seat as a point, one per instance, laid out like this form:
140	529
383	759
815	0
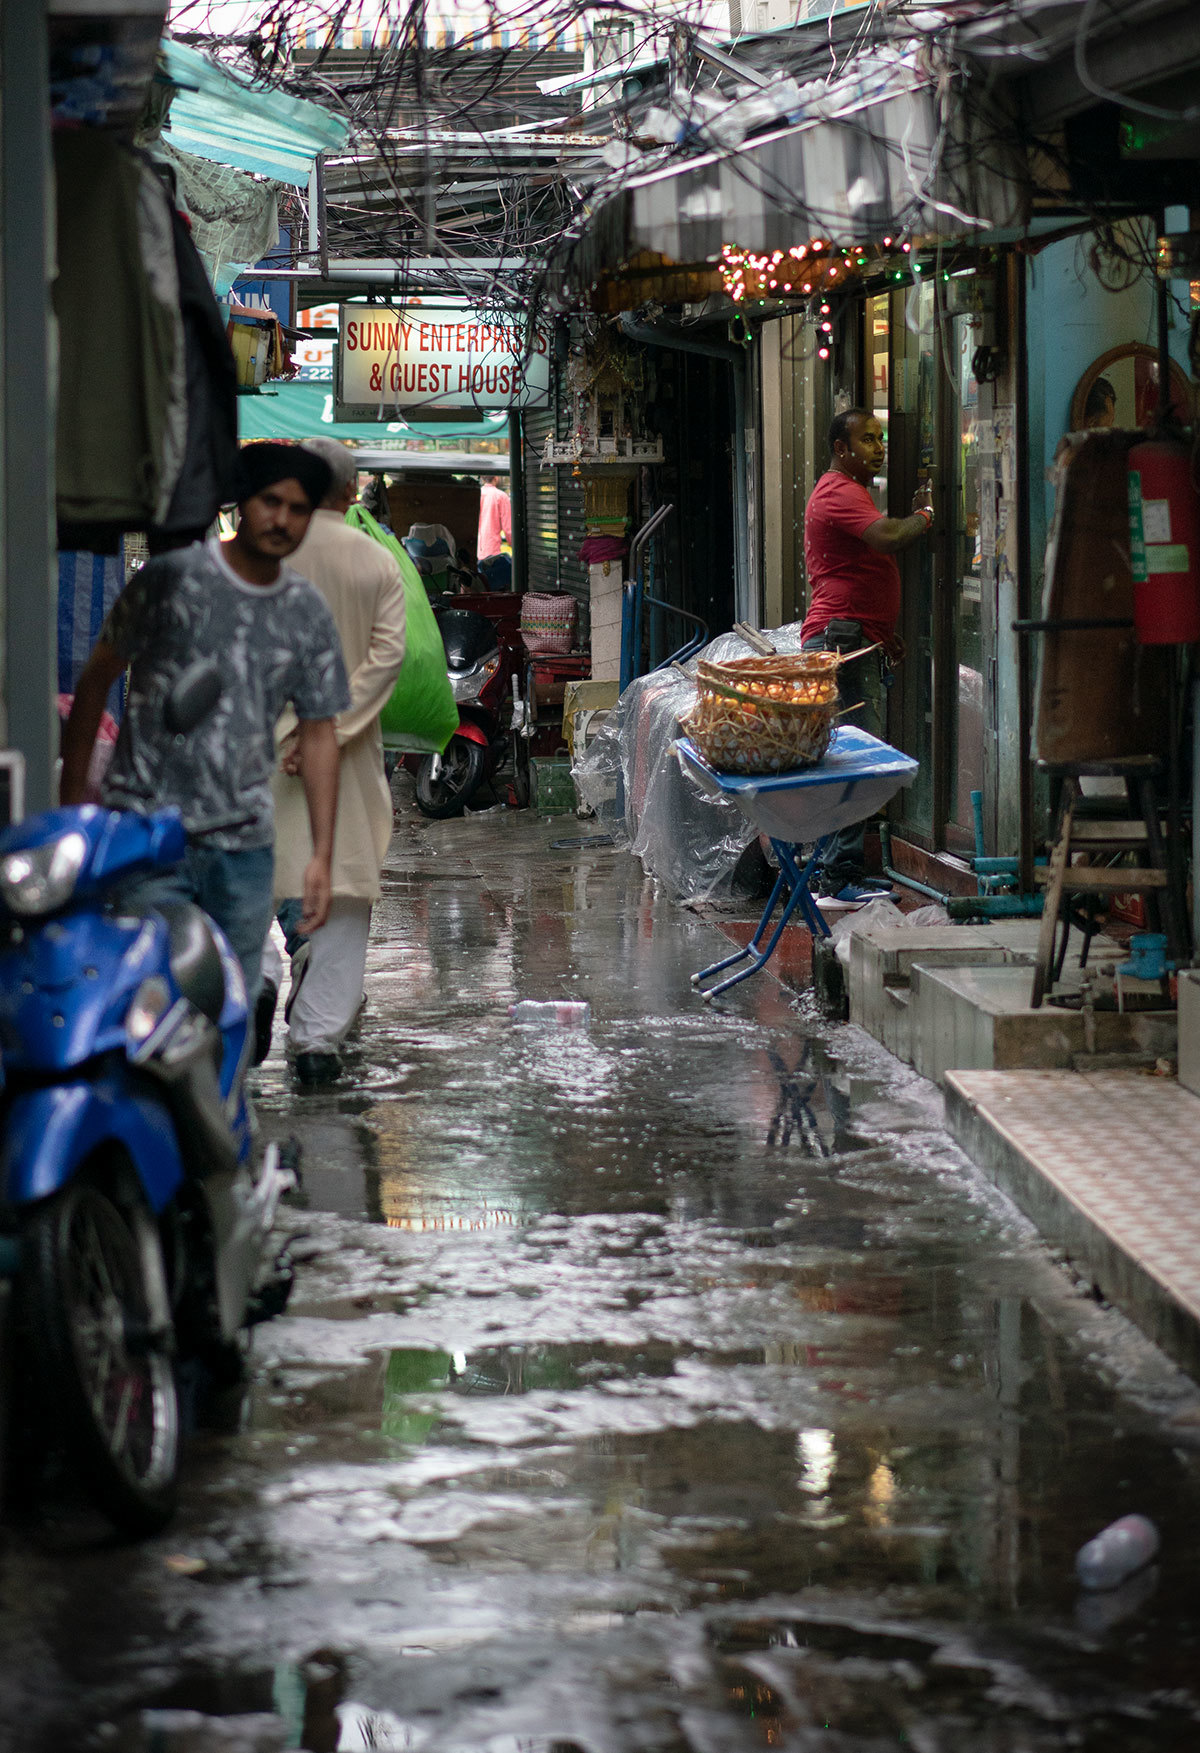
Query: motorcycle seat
195	958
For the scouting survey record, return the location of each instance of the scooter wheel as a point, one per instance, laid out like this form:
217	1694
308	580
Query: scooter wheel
463	768
104	1380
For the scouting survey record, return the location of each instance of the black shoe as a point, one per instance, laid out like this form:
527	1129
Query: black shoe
317	1068
264	1018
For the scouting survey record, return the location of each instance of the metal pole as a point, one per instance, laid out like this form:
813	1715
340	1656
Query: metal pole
27	551
322	215
1195	815
1026	478
516	493
1163	291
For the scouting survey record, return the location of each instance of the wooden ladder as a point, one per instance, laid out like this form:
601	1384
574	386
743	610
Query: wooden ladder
1139	831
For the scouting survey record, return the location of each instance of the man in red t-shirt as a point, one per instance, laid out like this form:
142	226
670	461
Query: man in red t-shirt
854	600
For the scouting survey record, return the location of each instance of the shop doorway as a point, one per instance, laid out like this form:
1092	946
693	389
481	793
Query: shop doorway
918	379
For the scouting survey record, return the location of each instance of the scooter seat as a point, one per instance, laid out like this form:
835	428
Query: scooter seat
195	958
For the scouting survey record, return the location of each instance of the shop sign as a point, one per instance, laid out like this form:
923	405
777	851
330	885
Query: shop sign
313	357
424	358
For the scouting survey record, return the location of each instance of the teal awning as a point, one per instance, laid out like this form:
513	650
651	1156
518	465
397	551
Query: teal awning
218	114
305	410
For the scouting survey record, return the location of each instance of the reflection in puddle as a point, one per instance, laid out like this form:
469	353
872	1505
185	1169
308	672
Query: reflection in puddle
405	1219
794	1119
414	1375
376	1729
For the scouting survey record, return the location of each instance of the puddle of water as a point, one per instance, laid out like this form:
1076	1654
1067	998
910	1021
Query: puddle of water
699	1403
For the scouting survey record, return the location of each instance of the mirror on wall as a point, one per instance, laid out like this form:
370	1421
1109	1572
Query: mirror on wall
1121	389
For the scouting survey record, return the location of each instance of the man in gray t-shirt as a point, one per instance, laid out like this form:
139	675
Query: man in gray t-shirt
276	643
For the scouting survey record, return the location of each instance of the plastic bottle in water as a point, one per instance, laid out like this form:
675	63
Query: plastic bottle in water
557	1013
1116	1552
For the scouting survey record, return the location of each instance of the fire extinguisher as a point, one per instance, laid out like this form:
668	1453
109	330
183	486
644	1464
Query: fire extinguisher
1164	542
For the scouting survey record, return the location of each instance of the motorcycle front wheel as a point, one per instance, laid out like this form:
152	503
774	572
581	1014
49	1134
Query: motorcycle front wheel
103	1378
463	767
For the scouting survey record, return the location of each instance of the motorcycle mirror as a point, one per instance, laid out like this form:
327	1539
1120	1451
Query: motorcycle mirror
193	696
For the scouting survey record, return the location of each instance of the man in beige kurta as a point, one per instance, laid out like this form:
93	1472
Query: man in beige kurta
362	585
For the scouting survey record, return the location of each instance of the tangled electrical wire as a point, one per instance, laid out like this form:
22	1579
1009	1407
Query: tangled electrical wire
488	143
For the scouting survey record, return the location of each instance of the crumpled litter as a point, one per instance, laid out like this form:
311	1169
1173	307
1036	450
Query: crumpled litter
882	915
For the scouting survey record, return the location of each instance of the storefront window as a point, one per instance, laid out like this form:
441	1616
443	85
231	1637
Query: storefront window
878	367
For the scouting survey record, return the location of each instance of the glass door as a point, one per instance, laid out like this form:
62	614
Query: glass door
911	430
939	710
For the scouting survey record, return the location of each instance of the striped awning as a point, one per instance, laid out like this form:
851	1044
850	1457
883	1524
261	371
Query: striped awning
447	27
376	24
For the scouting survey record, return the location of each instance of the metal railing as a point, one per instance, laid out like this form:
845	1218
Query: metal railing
643	617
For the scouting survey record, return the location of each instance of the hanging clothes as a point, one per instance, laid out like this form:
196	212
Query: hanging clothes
147	412
205	481
118	342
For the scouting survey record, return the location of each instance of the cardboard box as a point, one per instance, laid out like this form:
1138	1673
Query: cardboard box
591	701
435	499
552	790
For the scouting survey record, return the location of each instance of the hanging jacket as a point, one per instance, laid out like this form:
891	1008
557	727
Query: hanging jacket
117	342
147	416
205	480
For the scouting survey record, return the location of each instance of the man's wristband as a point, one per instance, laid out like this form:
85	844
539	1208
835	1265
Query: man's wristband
923	511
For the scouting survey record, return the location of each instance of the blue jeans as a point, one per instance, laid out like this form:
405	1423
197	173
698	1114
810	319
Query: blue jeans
860	687
236	889
289	914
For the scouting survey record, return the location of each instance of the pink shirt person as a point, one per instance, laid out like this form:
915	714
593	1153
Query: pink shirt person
495	521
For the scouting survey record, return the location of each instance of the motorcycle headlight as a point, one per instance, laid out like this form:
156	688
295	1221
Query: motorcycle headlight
150	1002
469	684
41	879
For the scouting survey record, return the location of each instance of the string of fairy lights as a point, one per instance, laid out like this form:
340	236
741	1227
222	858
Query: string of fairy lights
812	274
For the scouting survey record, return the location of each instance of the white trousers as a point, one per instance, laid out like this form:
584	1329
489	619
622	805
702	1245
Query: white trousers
331	989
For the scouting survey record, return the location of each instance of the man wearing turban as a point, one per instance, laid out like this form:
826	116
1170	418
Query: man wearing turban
275	643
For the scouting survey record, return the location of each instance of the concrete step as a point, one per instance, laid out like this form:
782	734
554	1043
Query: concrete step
1107	1165
882	961
979	1018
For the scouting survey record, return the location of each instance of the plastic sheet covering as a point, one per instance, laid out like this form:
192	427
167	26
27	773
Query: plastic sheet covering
235	218
628	775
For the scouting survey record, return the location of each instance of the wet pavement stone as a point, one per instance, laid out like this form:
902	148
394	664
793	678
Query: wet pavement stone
674	1384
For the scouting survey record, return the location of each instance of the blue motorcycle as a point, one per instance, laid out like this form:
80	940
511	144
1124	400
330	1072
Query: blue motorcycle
132	1213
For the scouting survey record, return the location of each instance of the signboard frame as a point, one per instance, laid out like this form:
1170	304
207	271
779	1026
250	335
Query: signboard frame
429	361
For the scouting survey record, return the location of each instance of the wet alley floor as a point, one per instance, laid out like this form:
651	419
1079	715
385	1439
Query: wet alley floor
673	1386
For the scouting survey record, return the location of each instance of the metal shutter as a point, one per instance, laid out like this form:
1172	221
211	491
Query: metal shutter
541	502
572	573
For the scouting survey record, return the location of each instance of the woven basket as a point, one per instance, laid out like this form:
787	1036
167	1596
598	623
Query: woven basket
778	716
776	678
548	621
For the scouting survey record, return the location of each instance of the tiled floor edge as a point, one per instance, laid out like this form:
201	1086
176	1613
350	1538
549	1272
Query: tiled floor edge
1119	1276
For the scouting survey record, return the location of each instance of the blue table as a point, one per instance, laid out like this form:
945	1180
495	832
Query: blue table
802	808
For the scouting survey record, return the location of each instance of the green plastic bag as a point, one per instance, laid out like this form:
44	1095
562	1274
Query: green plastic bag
421	716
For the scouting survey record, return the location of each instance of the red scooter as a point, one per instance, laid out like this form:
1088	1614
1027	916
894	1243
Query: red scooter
484	675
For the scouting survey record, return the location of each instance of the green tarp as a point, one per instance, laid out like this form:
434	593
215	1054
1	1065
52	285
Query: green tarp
219	114
305	410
